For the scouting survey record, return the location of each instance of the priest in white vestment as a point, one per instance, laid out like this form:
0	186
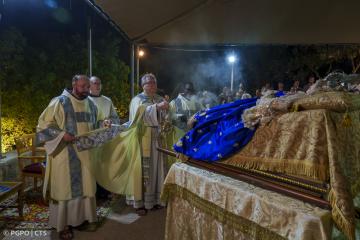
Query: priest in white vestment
109	116
103	103
154	165
69	183
184	106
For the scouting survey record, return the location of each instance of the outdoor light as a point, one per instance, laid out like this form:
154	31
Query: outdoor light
231	58
141	53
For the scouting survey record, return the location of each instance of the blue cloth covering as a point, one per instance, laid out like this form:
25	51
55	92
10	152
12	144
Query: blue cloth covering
4	189
218	133
279	94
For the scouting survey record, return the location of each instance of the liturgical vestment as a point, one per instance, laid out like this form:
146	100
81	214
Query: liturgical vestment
68	180
154	165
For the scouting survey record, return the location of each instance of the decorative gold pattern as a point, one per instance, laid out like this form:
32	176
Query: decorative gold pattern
201	203
334	101
316	144
293	143
250	229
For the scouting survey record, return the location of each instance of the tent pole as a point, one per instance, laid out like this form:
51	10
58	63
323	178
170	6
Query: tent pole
1	16
101	13
132	69
1	155
137	66
90	46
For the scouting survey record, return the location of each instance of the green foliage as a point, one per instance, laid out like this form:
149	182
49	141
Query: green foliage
113	73
265	65
12	44
285	63
20	111
11	128
32	74
321	59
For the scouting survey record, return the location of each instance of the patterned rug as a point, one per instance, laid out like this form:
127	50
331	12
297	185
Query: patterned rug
36	214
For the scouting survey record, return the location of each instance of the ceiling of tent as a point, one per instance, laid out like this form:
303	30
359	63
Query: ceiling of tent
199	22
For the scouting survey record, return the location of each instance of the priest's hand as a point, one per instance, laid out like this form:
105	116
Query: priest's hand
68	137
107	123
164	105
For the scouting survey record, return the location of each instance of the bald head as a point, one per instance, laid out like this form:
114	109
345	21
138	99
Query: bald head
95	86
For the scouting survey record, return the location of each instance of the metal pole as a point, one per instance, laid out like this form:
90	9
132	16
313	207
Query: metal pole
102	14
137	67
132	69
232	77
90	46
1	155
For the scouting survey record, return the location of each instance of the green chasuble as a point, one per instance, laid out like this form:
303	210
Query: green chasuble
122	164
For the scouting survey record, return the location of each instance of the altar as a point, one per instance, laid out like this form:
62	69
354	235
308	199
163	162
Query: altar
306	146
207	205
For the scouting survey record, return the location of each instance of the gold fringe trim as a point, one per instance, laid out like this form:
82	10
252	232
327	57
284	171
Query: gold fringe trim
346	226
244	225
287	180
318	172
295	108
346	122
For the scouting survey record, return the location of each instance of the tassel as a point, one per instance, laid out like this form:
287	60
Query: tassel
295	108
346	120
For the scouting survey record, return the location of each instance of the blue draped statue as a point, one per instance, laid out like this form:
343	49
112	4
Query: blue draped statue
218	132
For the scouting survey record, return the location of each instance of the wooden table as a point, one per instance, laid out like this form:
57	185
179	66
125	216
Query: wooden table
8	189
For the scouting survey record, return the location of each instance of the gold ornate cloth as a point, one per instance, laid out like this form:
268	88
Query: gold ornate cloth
320	144
334	101
206	205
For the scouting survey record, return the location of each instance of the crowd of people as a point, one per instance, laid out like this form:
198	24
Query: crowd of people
227	95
